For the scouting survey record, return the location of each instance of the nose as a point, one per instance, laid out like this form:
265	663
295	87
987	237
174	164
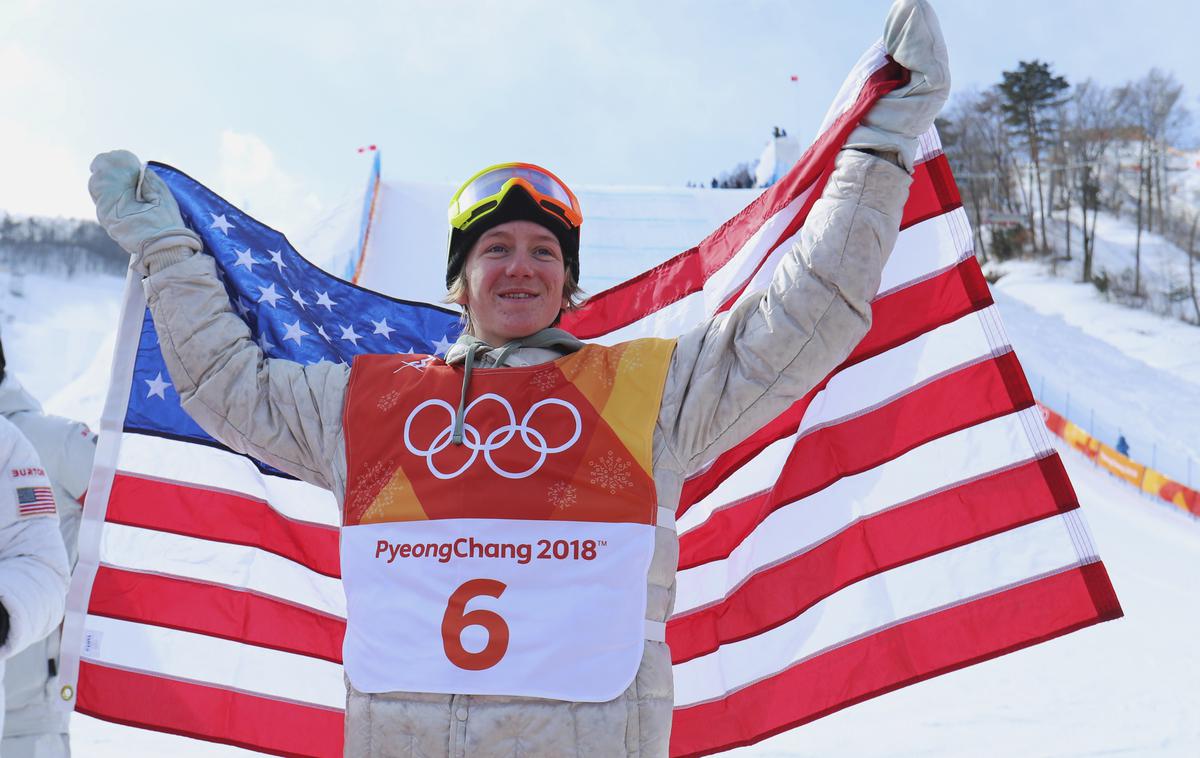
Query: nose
520	264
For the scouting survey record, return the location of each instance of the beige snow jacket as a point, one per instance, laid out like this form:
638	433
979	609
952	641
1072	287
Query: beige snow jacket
726	379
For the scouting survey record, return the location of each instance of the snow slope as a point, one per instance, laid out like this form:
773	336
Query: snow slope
1137	333
1164	266
59	336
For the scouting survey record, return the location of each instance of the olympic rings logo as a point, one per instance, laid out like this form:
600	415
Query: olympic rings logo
476	443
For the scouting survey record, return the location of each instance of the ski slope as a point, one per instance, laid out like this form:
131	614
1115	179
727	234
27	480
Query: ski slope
1124	687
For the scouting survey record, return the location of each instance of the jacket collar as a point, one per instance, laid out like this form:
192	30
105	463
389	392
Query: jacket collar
538	347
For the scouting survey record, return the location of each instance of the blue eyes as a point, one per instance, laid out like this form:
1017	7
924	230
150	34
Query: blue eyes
541	252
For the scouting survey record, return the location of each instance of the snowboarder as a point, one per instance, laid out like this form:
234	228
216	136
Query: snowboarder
33	561
408	478
33	726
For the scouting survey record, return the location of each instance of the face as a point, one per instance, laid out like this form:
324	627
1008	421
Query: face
514	275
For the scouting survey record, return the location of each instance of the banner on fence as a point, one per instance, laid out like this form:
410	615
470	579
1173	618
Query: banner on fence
1143	477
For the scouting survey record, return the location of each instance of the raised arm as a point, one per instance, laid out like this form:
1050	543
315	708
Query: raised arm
278	411
743	368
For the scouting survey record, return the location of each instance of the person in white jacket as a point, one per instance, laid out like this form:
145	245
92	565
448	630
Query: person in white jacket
33	561
34	727
675	404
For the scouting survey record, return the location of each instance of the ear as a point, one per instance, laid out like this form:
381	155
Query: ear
459	291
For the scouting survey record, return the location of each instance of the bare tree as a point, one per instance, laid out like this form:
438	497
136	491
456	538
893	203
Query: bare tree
979	147
1152	105
1093	126
1191	255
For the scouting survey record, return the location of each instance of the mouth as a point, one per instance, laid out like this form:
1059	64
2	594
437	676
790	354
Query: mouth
517	295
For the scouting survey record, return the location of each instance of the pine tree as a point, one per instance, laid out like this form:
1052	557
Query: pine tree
1030	98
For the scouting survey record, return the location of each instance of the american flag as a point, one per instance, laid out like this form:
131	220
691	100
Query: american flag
908	517
35	501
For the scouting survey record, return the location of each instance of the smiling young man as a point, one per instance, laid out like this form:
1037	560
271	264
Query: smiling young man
523	435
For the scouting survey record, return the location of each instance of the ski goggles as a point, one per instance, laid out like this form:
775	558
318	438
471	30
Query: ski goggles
484	192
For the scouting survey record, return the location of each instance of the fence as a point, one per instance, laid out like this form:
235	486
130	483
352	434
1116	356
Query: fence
1098	440
1158	455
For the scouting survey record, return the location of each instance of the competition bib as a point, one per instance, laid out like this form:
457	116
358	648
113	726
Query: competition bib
516	562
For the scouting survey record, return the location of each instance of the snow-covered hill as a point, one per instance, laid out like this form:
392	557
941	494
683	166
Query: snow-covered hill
1164	281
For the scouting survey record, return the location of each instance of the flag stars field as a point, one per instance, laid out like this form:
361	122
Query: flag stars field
239	276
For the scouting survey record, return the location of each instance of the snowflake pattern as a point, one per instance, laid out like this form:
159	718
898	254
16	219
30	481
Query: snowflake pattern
372	488
610	472
388	401
561	495
633	359
595	364
544	380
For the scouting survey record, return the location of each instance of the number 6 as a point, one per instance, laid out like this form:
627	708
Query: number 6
454	621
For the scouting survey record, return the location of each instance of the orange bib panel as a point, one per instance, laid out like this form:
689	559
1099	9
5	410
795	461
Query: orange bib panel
514	563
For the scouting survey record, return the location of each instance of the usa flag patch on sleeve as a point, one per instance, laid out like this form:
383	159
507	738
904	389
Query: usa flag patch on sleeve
35	501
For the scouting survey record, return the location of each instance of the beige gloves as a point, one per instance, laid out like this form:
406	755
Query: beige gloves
137	209
913	38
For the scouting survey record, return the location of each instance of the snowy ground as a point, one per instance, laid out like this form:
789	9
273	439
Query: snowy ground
1124	687
1164	267
1167	344
59	336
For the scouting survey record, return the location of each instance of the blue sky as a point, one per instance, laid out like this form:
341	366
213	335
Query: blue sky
267	101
